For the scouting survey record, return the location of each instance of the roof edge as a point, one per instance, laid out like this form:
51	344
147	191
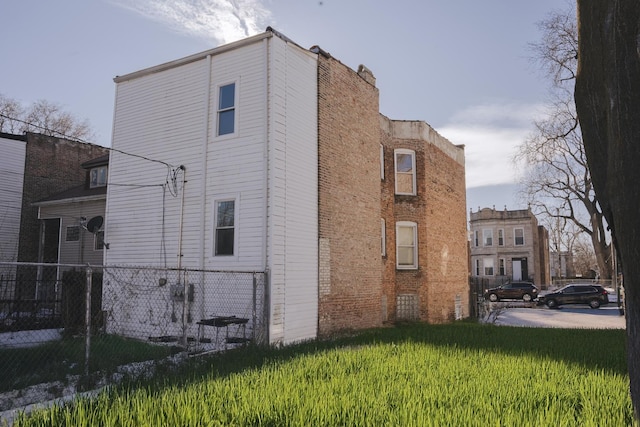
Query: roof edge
198	56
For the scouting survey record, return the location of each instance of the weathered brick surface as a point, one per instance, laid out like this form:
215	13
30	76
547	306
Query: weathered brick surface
349	199
359	287
52	165
438	208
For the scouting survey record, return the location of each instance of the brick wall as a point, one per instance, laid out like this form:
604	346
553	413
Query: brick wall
52	165
349	198
439	209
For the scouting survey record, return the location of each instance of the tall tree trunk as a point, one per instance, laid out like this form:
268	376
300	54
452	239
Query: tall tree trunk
608	104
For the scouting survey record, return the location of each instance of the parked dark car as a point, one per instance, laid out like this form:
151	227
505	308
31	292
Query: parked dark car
594	295
516	290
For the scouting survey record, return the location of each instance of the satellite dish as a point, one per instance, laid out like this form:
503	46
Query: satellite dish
94	224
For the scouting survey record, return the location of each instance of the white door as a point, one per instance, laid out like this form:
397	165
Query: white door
517	270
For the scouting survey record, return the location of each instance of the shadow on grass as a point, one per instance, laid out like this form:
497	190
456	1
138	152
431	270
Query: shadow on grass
599	350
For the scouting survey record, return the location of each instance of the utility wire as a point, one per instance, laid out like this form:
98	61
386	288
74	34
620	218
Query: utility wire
71	138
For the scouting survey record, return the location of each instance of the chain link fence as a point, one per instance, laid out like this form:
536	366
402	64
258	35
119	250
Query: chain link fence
62	324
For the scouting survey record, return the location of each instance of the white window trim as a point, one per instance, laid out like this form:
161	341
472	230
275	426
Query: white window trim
485	266
235	107
502	261
381	162
384	236
514	237
236	226
414	226
501	233
476	238
95	241
413	166
106	176
487	232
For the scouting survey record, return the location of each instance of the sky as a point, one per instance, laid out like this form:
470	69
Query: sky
462	66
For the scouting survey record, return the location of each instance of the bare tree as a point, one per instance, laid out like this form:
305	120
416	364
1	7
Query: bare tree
608	103
557	183
41	117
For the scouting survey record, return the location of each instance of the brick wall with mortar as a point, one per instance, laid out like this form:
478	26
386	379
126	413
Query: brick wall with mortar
350	294
52	165
439	287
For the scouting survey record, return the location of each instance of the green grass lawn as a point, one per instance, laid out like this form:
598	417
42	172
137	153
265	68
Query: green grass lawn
464	374
55	360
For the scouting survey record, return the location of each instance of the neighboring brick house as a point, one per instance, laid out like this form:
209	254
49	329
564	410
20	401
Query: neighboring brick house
50	165
367	194
293	140
509	246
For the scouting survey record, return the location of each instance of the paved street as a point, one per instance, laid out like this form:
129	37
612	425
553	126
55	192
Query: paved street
573	316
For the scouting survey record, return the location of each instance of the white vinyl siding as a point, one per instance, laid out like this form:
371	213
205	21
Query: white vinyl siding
163	115
12	176
293	204
81	251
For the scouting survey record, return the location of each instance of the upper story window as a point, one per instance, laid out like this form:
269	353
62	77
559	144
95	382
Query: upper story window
487	237
476	238
406	245
227	109
225	226
98	177
501	237
405	163
518	236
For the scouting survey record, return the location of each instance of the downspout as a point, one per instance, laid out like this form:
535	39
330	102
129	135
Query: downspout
203	182
184	183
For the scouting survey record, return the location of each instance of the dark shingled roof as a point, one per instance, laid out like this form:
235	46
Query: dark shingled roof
75	192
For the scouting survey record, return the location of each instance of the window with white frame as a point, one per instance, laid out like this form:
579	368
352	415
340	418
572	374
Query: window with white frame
501	267
488	266
226	109
406	245
383	230
487	237
72	234
405	166
518	236
225	227
500	237
381	162
98	177
98	241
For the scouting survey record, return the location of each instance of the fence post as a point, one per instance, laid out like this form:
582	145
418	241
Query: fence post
87	321
253	308
185	313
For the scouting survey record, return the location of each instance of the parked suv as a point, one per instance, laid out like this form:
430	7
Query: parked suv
515	290
594	295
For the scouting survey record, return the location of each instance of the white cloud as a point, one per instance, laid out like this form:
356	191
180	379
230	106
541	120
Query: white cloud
491	134
219	21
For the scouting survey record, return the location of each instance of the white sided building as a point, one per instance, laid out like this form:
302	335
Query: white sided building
214	167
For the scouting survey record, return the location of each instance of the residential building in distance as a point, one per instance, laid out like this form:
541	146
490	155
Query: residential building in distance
509	245
561	265
279	161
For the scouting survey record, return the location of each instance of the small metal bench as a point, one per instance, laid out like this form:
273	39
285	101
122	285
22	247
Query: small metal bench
225	322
